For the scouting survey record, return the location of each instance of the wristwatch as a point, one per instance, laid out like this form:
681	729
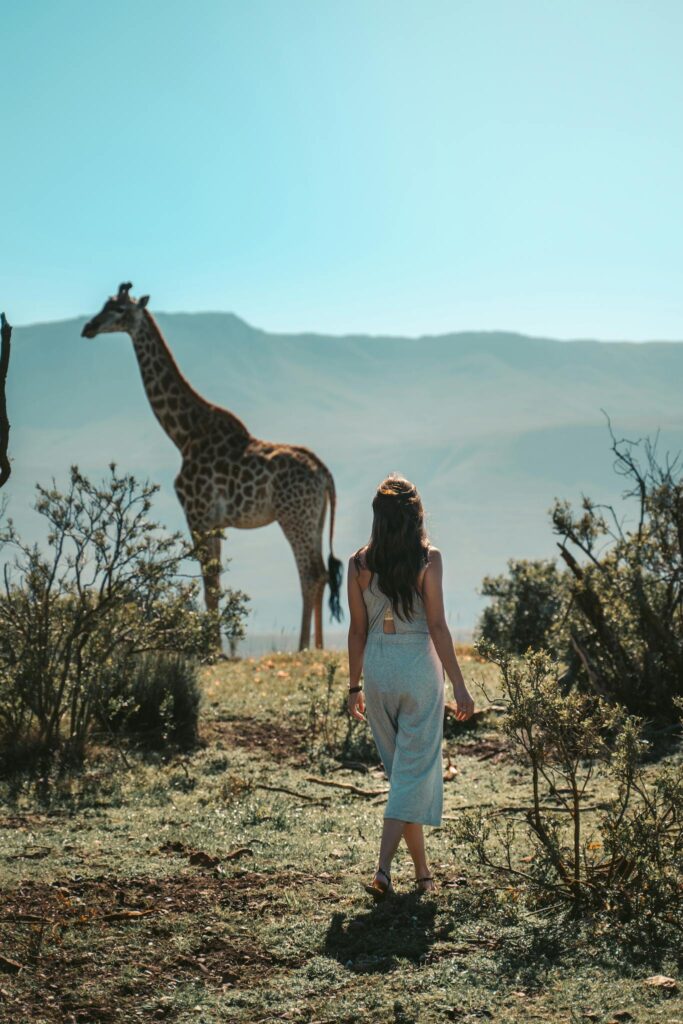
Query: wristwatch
355	689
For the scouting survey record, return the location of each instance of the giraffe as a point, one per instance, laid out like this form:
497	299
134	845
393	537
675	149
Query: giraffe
228	477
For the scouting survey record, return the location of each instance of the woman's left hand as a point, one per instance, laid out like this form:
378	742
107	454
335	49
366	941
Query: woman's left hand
356	705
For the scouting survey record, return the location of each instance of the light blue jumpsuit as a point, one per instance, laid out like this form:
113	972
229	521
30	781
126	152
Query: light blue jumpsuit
404	697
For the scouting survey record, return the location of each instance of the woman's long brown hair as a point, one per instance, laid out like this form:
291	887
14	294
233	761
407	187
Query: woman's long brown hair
398	546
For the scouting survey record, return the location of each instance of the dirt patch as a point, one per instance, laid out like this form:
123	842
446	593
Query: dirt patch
493	750
32	821
281	742
107	949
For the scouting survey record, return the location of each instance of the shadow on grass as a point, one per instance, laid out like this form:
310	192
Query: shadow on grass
421	930
402	927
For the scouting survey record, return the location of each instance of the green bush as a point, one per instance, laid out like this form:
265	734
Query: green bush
155	700
624	864
331	733
109	589
613	613
625	632
525	606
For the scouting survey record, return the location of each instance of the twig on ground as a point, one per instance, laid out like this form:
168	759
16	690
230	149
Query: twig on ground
127	915
346	785
32	853
292	792
356	766
10	966
465	807
18	918
519	808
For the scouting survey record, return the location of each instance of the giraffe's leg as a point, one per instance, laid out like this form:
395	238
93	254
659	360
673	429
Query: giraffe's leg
208	549
310	565
207	544
318	614
321	573
308	603
210	557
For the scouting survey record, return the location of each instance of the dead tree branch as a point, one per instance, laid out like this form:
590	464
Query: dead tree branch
5	346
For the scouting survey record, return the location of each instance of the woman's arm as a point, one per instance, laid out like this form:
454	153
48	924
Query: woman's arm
358	631
432	596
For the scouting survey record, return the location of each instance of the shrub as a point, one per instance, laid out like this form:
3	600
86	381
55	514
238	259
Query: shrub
155	700
334	734
525	605
627	629
625	865
109	589
613	615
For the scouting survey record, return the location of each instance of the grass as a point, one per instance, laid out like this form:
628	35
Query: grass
183	890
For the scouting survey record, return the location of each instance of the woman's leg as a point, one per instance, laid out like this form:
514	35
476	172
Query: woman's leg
415	841
392	830
414	837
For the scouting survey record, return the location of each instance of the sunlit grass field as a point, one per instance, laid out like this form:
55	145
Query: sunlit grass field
225	885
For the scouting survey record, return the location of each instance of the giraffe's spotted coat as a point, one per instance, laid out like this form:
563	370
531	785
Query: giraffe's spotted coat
228	477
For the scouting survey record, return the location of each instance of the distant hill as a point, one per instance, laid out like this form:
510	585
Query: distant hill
491	427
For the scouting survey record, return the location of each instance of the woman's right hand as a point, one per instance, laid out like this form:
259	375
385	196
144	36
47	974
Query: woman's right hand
356	705
464	703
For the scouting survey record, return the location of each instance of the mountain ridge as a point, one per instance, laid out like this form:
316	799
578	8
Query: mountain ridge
491	427
388	336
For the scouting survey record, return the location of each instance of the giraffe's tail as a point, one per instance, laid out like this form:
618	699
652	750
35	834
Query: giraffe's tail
335	569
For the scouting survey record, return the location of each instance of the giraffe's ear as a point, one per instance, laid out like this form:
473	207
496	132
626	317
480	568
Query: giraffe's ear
143	300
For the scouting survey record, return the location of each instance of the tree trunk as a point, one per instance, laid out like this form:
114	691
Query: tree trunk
5	339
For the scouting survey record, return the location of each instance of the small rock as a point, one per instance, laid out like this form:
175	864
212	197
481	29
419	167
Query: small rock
661	981
202	859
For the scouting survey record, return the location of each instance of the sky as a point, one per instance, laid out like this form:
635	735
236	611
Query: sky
348	166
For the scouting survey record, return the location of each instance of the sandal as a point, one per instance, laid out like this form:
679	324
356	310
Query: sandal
425	878
379	889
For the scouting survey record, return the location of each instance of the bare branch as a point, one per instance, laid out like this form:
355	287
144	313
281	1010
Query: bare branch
5	347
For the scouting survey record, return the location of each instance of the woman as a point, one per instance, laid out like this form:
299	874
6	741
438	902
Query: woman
399	640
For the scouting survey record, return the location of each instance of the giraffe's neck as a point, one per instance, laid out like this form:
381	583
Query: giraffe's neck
180	410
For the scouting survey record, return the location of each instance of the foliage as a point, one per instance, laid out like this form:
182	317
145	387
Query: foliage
626	865
628	597
155	700
333	733
614	615
525	605
109	589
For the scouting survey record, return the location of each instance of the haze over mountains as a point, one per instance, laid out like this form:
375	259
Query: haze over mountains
490	426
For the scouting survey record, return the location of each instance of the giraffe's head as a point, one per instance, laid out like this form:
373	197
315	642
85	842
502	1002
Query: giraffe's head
119	313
